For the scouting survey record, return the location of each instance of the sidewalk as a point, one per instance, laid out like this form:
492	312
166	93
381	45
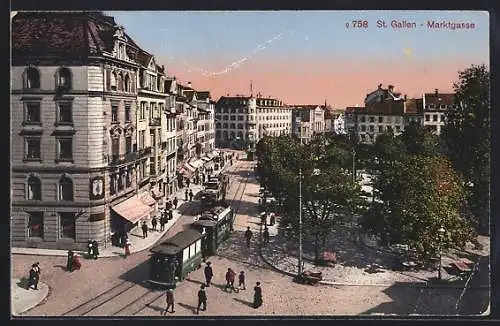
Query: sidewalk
135	236
23	299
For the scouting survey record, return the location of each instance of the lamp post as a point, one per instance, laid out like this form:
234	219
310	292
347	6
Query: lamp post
353	165
299	269
441	233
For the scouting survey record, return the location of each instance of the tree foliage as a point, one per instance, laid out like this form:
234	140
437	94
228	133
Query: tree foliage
418	196
468	139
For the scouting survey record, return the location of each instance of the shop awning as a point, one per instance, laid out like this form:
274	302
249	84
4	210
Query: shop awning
132	209
147	199
196	164
206	159
189	168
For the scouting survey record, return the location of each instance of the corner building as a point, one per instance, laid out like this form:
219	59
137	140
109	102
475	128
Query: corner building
76	165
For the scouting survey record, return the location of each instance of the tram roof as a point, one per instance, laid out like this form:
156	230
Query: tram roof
178	242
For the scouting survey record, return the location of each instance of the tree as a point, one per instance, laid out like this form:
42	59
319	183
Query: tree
466	134
417	140
418	196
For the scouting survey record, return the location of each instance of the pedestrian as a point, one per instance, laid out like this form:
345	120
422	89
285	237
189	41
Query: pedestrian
248	236
69	263
89	249
265	236
272	219
230	276
188	182
191	195
34	276
76	261
186	193
209	273
202	299
144	229
257	296
175	202
154	222
162	221
95	249
170	301
170	214
127	247
168	205
241	281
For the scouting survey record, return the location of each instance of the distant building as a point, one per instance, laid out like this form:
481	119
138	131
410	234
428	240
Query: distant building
308	121
435	106
241	121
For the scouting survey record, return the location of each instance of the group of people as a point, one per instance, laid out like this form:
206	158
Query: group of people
188	194
92	249
202	294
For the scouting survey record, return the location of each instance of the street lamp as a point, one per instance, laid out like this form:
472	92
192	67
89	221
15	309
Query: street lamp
441	232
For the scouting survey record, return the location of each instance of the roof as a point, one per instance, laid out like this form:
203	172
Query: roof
439	98
143	58
189	93
178	242
202	96
63	33
205	223
305	107
414	106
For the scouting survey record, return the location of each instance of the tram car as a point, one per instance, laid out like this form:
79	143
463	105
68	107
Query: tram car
217	224
176	257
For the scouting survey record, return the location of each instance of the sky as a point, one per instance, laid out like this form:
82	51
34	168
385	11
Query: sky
309	57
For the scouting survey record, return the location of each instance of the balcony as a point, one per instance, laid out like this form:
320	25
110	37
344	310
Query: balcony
144	151
155	122
118	159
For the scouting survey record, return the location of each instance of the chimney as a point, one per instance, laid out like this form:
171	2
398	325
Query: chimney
189	84
163	68
379	86
436	92
390	88
405	97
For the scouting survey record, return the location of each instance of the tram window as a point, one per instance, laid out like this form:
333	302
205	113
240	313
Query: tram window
185	254
198	246
192	250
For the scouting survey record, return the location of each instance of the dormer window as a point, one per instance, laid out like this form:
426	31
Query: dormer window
63	78
32	78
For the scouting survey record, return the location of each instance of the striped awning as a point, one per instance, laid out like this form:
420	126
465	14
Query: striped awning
132	209
147	199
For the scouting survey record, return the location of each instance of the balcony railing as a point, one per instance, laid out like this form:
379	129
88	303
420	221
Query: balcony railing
117	159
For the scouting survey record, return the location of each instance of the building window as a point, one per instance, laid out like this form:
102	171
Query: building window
115	147
32	146
32	78
434	117
65	115
217	125
114	113
427	117
64	78
231	126
398	128
233	118
119	82
128	177
240	117
371	128
240	126
224	135
363	128
67	225
32	111
218	134
127	83
112	184
35	225
142	112
128	144
34	188
128	117
113	81
65	149
380	119
120	179
224	125
442	117
380	128
362	118
225	118
65	189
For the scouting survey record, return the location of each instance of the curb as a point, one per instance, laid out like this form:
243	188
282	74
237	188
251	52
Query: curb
42	287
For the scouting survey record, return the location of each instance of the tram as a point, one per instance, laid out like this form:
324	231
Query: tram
217	225
176	257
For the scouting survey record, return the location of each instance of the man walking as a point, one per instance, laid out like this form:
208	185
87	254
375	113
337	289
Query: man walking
265	236
144	229
34	276
170	214
202	299
257	296
208	273
191	195
230	276
241	281
170	301
162	221
95	249
154	222
175	202
186	193
248	236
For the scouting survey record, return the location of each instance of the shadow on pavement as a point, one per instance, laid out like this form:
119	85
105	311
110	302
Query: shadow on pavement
138	275
156	308
23	283
188	307
247	303
62	267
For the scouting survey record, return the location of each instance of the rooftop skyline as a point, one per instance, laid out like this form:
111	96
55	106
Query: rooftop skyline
308	57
